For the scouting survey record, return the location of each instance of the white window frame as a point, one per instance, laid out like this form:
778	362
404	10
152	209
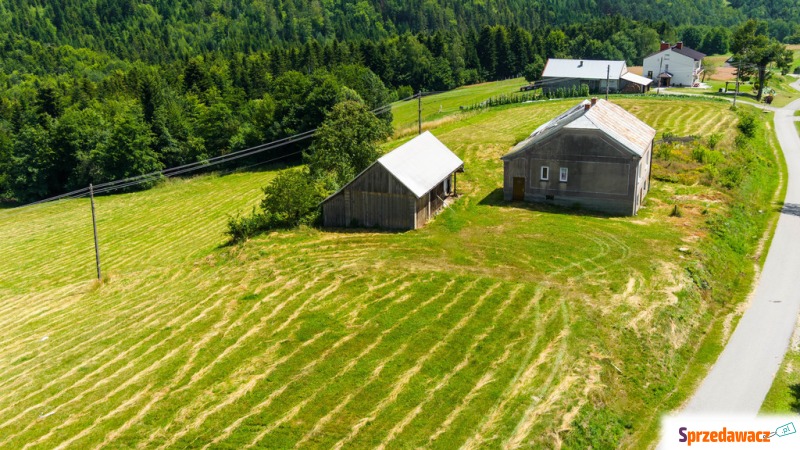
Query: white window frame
544	173
563	174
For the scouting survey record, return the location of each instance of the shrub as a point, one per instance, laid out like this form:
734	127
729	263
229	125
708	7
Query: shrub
242	227
730	177
404	92
668	136
705	155
663	152
292	199
748	123
714	140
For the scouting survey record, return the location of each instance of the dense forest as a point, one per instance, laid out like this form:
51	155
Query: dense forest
103	89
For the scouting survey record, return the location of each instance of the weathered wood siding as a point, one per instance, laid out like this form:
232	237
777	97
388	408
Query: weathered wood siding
374	199
601	174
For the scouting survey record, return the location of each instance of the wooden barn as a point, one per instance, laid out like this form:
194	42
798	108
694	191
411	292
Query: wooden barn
596	156
402	190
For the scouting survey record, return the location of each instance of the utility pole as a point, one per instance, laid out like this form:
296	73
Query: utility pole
660	65
419	110
94	226
736	88
608	78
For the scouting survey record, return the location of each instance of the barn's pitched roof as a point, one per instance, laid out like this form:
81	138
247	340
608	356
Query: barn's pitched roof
584	69
620	125
683	50
419	164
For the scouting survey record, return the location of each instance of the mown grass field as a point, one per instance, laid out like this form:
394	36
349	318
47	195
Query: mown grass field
436	106
498	325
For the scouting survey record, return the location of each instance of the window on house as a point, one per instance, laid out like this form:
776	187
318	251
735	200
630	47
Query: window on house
666	68
545	173
649	74
563	175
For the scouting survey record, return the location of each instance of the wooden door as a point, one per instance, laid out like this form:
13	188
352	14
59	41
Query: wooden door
519	189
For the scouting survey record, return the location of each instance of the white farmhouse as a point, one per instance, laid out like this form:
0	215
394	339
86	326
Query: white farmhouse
674	65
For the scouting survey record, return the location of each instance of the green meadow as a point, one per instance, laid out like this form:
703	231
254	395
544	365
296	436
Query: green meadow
497	325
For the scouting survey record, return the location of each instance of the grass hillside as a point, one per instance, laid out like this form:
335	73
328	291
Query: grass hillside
496	325
437	106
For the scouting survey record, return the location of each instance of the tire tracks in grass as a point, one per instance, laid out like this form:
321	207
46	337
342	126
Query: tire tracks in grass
488	377
86	377
251	384
182	415
524	376
90	335
181	318
107	379
184	412
349	366
536	409
320	424
406	377
430	394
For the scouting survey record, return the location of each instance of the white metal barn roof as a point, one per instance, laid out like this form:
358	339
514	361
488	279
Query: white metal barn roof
585	69
421	163
638	79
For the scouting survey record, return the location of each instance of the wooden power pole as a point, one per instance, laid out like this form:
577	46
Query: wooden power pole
419	110
608	79
736	88
94	226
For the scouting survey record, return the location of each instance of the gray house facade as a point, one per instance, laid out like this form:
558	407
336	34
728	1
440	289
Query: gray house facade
596	156
402	190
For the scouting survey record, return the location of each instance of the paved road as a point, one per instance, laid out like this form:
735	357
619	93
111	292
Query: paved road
744	372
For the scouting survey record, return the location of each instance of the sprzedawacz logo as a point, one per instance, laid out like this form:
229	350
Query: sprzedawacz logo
733	436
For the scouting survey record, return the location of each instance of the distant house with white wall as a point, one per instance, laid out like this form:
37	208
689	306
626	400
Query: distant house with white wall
571	73
674	65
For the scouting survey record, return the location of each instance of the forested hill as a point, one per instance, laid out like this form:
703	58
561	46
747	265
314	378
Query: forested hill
156	30
98	90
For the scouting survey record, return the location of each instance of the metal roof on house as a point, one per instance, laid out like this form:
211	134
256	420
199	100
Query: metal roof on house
685	51
637	79
421	163
617	123
690	52
585	69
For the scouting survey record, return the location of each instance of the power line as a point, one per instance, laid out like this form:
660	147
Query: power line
190	167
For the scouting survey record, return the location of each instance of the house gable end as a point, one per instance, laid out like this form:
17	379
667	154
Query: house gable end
577	144
378	179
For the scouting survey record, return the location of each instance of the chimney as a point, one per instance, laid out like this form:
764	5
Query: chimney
679	45
664	46
586	106
594	101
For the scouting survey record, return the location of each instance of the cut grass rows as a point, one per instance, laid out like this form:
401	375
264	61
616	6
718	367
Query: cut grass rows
149	388
493	326
129	240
